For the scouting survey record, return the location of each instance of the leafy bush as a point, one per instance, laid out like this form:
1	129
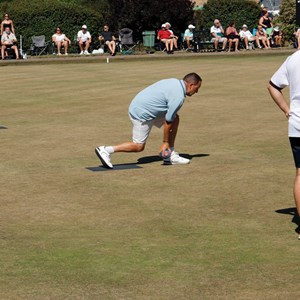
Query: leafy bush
150	14
287	19
240	11
43	16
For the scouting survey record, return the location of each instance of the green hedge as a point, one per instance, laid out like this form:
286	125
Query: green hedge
287	19
43	16
240	11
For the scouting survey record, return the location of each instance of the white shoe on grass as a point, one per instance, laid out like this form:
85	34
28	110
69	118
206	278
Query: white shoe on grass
175	159
104	156
86	52
81	53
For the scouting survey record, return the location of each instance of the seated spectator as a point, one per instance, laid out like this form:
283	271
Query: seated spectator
262	36
232	36
60	40
246	36
277	37
188	36
108	39
7	23
172	36
8	41
297	36
84	39
217	33
164	36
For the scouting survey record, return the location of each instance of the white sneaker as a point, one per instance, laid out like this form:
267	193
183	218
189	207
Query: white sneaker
81	53
104	156
175	159
86	52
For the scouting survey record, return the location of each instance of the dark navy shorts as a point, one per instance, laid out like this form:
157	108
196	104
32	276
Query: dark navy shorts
295	145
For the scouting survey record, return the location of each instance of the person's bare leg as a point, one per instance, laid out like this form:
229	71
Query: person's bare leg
216	42
171	44
188	42
167	45
58	48
246	42
113	46
257	42
175	43
2	51
16	51
229	45
87	46
236	45
173	131
297	190
66	44
224	43
81	46
129	147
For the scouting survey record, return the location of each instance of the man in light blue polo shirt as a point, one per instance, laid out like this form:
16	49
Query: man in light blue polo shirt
156	105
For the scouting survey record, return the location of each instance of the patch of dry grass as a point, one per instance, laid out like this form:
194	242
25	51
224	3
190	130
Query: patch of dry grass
208	230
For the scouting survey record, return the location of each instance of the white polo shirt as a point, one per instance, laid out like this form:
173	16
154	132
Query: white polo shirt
216	30
246	33
289	75
84	36
59	37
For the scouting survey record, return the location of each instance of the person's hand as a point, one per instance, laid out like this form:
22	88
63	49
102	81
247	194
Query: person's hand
165	149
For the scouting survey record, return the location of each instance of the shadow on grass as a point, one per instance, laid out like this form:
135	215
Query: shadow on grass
293	212
141	161
154	158
3	127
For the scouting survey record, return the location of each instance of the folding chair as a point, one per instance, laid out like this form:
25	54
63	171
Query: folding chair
126	41
39	45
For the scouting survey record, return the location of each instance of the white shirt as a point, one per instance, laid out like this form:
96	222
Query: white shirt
246	33
83	36
59	37
289	75
8	38
216	30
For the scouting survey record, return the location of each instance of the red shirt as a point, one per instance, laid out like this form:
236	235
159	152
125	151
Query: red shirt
164	34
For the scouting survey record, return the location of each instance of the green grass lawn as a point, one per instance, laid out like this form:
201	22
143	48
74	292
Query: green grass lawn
208	230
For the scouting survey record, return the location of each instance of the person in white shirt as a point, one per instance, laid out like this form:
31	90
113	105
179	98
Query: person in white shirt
289	75
60	40
247	37
188	36
84	40
217	33
9	40
172	36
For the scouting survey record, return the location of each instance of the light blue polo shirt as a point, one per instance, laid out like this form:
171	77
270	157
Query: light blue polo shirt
163	98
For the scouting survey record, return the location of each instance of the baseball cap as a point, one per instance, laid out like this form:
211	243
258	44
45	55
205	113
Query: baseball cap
276	28
167	23
191	26
245	26
84	27
163	25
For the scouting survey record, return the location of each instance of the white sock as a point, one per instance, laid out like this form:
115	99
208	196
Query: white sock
109	149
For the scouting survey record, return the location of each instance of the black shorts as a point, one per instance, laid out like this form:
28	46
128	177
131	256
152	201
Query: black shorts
295	145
